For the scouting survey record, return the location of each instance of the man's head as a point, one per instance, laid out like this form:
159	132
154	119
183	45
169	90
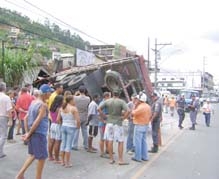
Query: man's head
2	86
82	89
106	95
58	88
154	95
45	91
96	98
141	97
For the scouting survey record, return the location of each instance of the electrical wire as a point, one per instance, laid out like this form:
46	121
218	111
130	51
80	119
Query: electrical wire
74	28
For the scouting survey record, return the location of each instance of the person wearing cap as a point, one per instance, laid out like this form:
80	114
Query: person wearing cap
156	118
207	110
118	111
180	104
141	119
193	107
37	133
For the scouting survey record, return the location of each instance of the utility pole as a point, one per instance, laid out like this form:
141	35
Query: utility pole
203	76
148	54
3	60
156	62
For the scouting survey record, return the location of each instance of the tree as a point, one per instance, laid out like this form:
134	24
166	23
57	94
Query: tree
16	62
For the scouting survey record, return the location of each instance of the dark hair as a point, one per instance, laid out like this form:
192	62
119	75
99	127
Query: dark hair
57	103
82	89
67	100
57	85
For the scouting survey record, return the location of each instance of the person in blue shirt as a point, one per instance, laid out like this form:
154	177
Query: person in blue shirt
37	133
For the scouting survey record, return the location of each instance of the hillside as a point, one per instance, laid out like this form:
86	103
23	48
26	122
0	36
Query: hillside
45	37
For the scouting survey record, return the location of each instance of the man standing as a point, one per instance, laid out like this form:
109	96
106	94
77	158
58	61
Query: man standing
5	116
156	118
180	104
82	101
37	134
141	118
193	111
22	105
93	122
58	91
118	111
129	144
102	125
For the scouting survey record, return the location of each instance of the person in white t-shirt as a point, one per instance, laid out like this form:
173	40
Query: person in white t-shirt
5	116
207	110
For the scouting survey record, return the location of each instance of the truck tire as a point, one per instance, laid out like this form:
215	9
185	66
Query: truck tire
76	81
112	80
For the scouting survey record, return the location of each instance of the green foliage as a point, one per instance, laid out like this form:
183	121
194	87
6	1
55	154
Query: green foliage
40	31
15	63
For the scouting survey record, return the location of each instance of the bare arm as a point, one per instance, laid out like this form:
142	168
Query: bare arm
41	114
76	116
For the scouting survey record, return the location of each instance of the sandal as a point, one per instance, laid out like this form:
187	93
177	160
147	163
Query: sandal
51	159
123	163
58	162
68	166
112	162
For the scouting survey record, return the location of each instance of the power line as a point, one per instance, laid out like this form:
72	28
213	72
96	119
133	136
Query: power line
74	28
35	33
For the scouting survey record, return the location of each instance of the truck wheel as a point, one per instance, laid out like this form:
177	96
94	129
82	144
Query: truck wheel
112	80
76	81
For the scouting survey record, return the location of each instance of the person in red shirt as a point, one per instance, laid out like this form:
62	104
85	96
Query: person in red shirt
22	105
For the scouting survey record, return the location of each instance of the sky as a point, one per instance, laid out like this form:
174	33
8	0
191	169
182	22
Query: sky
191	26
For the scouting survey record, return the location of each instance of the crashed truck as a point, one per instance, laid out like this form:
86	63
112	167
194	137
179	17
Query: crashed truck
129	75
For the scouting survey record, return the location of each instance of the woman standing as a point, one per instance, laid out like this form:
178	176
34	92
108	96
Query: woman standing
69	117
207	110
55	129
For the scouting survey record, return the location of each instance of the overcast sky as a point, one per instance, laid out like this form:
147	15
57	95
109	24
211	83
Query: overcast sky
191	26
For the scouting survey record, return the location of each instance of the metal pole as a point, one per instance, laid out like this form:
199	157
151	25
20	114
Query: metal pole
3	60
155	65
203	75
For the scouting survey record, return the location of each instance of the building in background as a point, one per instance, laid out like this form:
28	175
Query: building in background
174	81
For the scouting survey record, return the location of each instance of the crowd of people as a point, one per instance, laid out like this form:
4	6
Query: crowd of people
51	120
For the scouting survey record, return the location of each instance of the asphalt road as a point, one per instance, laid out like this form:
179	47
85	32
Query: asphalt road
185	154
190	155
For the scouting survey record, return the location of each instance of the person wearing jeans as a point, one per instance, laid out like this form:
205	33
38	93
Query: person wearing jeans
141	119
69	117
207	110
129	143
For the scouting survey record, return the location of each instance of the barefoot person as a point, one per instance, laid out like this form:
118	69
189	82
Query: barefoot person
37	134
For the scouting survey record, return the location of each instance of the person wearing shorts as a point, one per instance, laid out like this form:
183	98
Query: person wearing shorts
37	134
118	111
55	130
102	126
93	122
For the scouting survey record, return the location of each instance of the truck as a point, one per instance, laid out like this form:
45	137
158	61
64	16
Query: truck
128	75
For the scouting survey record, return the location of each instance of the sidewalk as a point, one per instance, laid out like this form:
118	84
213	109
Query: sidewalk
85	165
